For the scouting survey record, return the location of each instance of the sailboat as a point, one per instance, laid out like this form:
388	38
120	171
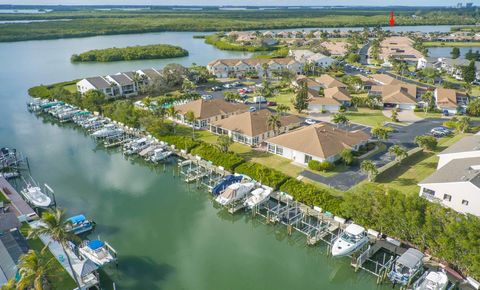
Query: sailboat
353	238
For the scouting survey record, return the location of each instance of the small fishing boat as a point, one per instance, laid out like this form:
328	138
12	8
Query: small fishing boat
353	238
35	196
107	131
136	146
432	280
96	251
159	155
10	175
234	192
258	196
80	224
406	267
225	182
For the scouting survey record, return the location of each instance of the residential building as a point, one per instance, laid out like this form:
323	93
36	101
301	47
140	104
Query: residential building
367	82
251	128
455	185
308	56
12	246
223	68
96	83
399	47
327	81
123	85
147	75
467	147
336	48
384	79
321	142
332	100
454	66
450	101
428	62
402	96
311	83
207	111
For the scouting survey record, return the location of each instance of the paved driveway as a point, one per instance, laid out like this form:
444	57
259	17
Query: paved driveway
407	116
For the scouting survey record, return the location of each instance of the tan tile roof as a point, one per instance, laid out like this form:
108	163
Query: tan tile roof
321	140
335	47
329	82
448	97
206	109
253	123
399	94
339	94
399	46
385	79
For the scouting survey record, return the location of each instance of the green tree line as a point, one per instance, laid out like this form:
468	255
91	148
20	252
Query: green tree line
155	51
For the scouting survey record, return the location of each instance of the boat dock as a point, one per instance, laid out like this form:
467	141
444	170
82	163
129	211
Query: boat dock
21	208
85	270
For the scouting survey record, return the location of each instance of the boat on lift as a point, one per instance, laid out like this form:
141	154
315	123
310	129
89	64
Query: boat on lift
433	280
79	224
353	238
235	192
108	130
225	182
160	154
35	196
406	267
96	251
257	197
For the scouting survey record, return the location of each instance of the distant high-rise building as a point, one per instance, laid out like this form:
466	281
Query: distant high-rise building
469	5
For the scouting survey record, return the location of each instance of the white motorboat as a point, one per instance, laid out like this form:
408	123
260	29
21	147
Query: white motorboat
35	196
432	280
353	238
234	192
258	196
107	131
137	146
10	175
160	154
96	251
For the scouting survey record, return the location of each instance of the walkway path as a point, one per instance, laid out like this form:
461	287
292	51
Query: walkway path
20	206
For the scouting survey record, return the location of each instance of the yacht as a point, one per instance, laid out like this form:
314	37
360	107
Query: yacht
80	224
159	154
225	182
432	280
406	267
258	196
234	192
353	238
107	131
96	251
35	196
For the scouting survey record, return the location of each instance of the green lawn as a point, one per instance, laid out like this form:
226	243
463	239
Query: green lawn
71	88
367	117
62	280
3	197
414	170
451	44
475	89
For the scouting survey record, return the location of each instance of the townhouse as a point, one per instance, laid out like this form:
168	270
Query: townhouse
308	56
454	66
403	96
252	128
321	142
400	48
223	68
450	101
332	100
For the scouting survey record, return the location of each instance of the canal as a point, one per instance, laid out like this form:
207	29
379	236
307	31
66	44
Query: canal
168	236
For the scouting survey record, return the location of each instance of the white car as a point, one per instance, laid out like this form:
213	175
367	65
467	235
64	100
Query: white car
310	121
207	97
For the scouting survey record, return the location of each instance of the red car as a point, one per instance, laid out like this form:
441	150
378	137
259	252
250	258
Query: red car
271	104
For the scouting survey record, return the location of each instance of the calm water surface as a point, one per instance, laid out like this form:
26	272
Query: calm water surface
445	51
168	236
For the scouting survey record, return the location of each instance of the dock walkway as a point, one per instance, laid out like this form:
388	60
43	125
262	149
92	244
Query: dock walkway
21	208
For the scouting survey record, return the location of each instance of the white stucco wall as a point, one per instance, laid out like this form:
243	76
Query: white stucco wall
445	158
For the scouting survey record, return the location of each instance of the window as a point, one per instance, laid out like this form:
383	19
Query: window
447	197
464	202
307	158
271	148
279	150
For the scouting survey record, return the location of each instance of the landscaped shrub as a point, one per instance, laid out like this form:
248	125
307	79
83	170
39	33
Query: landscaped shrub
180	142
320	166
211	153
265	175
311	195
314	165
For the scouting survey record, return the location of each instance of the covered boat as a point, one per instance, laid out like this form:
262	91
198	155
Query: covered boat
353	238
96	251
80	224
235	192
258	196
432	280
225	182
407	267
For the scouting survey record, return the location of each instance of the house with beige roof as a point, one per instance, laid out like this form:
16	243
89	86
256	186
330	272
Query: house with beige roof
223	68
327	81
321	142
400	48
308	56
384	79
251	128
403	96
332	100
208	111
336	48
450	101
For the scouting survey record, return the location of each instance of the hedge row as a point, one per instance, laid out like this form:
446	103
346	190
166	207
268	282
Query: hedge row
211	153
265	175
311	195
180	142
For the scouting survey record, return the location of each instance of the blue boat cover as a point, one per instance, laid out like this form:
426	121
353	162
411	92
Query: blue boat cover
77	219
228	180
95	244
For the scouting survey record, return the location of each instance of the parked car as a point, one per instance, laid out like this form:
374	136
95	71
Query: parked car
242	91
440	132
310	121
216	88
252	109
270	104
243	95
207	97
227	86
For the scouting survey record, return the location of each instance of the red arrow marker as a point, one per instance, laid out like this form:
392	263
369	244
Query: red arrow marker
392	19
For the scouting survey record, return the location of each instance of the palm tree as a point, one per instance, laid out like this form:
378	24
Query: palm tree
36	269
347	156
369	168
340	118
224	142
282	109
399	152
56	225
11	285
274	123
265	69
190	118
463	124
172	112
428	99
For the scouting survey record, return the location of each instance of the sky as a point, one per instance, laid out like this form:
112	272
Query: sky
246	2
